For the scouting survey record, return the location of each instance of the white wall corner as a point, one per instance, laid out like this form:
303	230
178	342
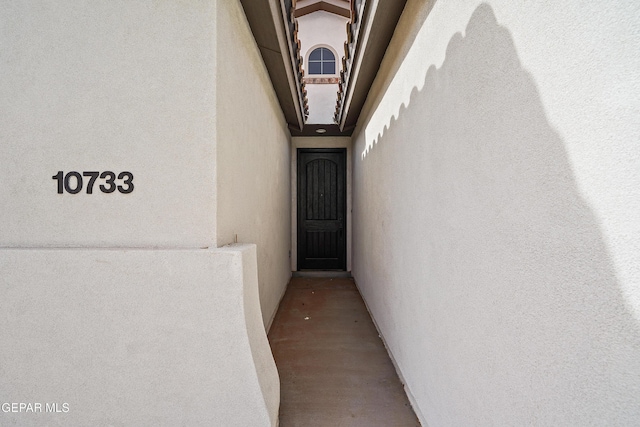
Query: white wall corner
135	337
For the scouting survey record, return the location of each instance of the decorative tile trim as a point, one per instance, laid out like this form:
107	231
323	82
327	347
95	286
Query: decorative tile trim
321	80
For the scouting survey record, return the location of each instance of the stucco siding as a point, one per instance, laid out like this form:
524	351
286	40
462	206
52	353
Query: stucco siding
143	337
496	206
107	86
322	29
117	306
253	155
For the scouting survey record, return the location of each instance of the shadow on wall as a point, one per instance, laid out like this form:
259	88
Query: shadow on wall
414	14
524	321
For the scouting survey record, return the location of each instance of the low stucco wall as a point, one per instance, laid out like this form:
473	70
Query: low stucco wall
135	337
496	206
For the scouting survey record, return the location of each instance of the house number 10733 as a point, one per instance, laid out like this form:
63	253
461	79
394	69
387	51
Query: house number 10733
72	182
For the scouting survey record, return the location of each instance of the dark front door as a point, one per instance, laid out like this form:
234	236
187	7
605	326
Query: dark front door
322	209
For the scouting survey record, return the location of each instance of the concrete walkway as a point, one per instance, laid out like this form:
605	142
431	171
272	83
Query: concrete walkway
334	369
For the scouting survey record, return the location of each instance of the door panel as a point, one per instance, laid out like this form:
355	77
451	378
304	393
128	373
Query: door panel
321	209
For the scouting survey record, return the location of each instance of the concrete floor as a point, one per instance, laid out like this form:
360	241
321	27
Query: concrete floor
334	369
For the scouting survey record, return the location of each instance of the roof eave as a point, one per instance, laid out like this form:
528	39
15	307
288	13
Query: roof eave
276	40
364	52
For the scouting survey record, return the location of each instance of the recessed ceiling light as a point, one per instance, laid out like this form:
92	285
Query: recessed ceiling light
321	130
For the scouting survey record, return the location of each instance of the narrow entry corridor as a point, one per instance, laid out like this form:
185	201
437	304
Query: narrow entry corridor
334	370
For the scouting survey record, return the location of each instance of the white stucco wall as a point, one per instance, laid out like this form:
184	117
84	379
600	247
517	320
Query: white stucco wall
322	102
496	211
120	305
108	86
322	29
254	151
138	337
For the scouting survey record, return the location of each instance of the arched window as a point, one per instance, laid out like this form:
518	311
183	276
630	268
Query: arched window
322	61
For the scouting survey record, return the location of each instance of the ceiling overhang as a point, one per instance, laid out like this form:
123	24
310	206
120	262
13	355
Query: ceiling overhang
274	29
321	130
369	34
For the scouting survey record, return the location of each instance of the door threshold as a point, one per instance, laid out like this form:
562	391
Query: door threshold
322	273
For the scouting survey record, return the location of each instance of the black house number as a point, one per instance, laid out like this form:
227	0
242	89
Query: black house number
72	182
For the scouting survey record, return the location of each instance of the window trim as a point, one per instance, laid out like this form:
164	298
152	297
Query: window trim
335	55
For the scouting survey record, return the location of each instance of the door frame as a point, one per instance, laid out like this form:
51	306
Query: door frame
343	152
319	142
